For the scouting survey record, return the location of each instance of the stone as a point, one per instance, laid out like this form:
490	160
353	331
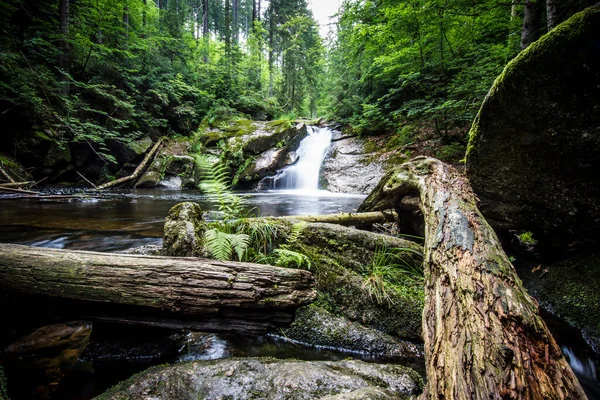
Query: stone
347	168
184	231
269	379
266	163
569	289
316	326
532	157
152	176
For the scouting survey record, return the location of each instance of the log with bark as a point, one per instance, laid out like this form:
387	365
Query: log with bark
138	171
484	337
169	292
349	219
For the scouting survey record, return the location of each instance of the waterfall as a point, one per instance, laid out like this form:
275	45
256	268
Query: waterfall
304	174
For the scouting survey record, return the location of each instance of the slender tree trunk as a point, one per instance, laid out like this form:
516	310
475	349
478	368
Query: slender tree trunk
145	14
64	61
484	338
552	13
236	23
532	22
253	12
271	47
126	18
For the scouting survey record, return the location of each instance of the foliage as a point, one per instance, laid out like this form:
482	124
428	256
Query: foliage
389	272
123	70
425	62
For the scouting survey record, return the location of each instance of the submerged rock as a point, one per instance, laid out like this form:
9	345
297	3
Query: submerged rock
267	378
316	326
532	157
347	168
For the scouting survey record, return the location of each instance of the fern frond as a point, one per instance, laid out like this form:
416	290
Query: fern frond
223	245
291	259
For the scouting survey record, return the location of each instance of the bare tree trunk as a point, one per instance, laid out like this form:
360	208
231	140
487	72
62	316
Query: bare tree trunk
236	23
484	338
532	22
64	61
160	291
552	13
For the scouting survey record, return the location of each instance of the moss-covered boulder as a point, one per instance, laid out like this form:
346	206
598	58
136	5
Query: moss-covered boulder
263	165
268	378
184	231
533	151
569	289
317	326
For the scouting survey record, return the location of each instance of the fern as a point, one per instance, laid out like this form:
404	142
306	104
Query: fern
223	245
291	259
215	182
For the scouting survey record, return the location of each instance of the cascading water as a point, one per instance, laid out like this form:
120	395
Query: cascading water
304	174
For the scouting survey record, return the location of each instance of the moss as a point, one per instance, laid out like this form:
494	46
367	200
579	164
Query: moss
569	289
532	57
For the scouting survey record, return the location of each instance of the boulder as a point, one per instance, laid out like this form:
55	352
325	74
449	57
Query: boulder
347	168
181	166
266	163
270	379
532	157
316	326
569	289
184	231
130	151
153	174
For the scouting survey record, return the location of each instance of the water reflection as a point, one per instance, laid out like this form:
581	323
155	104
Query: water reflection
123	219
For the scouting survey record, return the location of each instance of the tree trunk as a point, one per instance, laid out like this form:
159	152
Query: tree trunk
484	338
236	22
64	61
532	22
138	171
160	291
552	13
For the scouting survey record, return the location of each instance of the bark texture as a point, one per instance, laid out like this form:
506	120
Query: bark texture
484	338
532	22
161	291
138	171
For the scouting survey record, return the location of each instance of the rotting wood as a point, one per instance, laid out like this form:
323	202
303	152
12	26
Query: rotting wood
349	219
484	337
138	171
172	292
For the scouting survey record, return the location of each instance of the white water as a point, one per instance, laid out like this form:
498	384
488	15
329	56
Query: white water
304	174
584	367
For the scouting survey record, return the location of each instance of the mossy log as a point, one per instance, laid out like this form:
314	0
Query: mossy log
484	338
189	293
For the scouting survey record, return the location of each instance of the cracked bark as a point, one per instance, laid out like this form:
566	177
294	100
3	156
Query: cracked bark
484	338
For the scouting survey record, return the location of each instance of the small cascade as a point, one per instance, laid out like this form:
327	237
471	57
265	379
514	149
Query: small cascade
304	174
584	367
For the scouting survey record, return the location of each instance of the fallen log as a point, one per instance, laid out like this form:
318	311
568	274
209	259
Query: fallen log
192	293
17	184
138	171
6	175
484	338
13	190
349	219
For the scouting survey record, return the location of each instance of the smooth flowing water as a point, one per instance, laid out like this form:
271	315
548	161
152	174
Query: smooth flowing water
303	175
121	220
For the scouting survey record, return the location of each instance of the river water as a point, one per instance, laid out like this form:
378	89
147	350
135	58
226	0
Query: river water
121	220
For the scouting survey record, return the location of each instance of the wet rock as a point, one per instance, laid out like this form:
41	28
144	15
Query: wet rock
130	151
182	167
153	174
266	136
266	163
316	326
126	170
569	289
58	156
347	168
533	151
268	378
184	231
146	250
47	353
